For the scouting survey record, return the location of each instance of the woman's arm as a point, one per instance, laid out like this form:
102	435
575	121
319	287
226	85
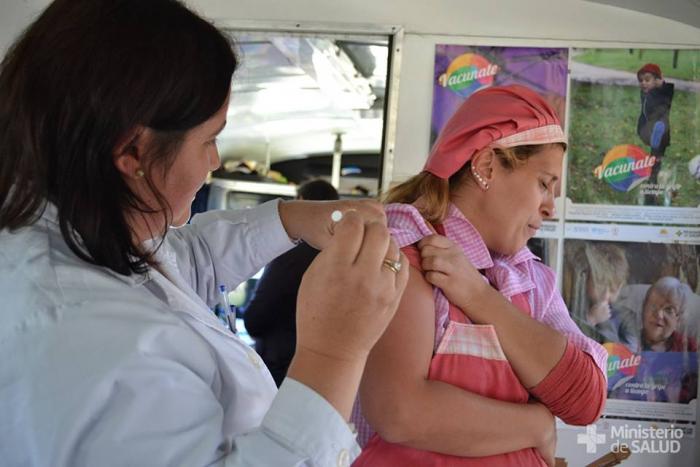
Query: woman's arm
311	220
404	407
346	300
229	246
226	247
567	380
532	348
535	350
575	390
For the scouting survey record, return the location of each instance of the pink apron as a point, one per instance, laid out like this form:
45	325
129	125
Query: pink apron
468	356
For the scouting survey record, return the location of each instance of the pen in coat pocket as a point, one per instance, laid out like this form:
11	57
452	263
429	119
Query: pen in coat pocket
222	310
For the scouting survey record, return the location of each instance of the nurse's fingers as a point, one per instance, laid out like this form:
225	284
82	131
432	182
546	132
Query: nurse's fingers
347	238
381	258
374	246
393	261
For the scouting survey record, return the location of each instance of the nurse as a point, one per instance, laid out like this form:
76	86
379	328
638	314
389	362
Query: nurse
109	111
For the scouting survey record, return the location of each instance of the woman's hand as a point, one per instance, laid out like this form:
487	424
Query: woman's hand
546	430
446	267
346	299
532	348
311	220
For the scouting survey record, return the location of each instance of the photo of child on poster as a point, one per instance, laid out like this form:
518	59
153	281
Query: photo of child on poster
634	134
653	125
462	70
640	300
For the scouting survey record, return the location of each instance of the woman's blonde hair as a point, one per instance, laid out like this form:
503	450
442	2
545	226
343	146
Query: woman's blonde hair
434	192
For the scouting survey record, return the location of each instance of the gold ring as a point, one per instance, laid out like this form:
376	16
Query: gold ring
394	266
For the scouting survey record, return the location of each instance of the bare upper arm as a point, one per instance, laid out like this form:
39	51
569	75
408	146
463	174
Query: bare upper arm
399	363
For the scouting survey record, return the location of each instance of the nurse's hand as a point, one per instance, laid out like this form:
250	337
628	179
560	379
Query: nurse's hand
346	300
312	222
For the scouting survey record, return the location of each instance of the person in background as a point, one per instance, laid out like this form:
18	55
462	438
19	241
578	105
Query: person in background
482	353
270	316
109	113
653	124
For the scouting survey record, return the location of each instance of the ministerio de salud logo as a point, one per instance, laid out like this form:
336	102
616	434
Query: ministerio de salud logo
625	166
632	439
626	438
467	74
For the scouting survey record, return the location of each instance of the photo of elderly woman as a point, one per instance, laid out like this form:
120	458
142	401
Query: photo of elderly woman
664	306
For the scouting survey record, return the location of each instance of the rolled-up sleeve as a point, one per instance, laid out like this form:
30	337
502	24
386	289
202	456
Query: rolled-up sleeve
575	390
557	317
549	308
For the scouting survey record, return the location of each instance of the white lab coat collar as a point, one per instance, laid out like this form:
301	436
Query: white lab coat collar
50	216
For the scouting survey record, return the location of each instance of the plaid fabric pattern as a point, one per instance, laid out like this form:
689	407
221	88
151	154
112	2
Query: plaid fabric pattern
364	431
475	340
510	275
541	135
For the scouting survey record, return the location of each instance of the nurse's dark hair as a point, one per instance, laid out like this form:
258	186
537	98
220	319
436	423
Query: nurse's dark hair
76	82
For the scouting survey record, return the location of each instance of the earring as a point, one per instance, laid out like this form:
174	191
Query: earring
140	173
480	179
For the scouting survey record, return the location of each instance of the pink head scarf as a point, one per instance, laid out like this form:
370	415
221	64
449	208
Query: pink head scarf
504	116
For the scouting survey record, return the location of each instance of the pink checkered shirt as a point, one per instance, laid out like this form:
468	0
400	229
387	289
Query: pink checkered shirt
510	275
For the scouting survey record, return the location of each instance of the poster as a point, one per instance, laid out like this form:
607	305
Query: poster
634	136
462	70
545	249
545	244
640	300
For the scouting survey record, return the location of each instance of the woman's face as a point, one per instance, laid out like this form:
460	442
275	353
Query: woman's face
198	155
660	318
518	200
